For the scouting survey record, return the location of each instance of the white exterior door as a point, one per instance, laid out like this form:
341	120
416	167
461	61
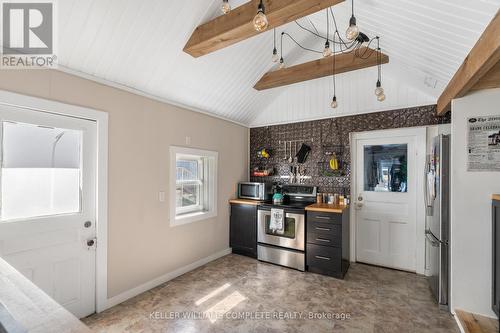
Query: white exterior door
385	197
48	203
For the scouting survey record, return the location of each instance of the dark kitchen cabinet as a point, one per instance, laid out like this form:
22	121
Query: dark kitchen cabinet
243	229
327	248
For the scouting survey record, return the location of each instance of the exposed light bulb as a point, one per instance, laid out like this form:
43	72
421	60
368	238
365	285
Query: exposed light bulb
334	102
327	51
282	63
353	31
260	22
226	7
381	97
275	55
379	91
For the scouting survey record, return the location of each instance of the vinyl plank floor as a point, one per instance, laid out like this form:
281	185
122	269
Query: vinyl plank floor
240	294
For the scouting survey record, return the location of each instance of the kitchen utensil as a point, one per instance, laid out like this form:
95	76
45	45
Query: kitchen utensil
285	151
303	153
290	159
295	151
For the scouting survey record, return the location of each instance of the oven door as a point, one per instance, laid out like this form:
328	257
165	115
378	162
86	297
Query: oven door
292	238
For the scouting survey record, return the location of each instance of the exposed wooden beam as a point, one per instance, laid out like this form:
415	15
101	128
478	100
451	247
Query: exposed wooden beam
317	68
481	59
489	80
237	25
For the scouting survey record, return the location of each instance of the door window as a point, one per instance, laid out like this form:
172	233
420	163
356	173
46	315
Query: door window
289	228
40	171
386	168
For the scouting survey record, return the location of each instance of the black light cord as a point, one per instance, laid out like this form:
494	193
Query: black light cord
281	45
379	60
327	26
274	36
345	48
298	44
321	36
334	56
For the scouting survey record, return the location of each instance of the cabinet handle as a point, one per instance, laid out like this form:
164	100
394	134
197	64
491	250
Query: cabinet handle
323	217
323	240
322	258
323	229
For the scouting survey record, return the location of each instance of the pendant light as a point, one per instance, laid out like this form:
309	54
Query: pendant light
260	22
282	61
275	57
327	51
353	30
226	7
379	91
334	103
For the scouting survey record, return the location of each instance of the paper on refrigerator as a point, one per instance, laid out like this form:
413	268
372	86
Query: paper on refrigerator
483	146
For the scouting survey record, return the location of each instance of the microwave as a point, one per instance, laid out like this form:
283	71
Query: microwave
255	191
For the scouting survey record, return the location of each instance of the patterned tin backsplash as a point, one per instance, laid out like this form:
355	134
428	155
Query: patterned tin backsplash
326	136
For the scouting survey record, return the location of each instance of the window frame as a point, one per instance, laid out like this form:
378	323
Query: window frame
201	181
207	207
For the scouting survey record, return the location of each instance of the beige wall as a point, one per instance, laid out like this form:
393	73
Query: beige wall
142	245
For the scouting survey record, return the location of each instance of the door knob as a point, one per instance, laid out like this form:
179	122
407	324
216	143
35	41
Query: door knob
91	242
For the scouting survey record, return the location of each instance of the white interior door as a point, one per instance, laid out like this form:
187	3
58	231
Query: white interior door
385	199
48	195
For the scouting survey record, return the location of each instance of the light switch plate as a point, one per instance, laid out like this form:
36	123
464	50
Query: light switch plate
161	196
188	140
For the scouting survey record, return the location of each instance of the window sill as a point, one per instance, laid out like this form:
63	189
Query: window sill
191	217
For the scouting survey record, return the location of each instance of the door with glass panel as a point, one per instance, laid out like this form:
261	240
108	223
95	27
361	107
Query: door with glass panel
47	211
385	199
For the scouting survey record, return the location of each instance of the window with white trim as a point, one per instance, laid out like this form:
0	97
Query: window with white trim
193	185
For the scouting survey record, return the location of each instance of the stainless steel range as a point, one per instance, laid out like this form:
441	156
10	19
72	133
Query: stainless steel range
285	246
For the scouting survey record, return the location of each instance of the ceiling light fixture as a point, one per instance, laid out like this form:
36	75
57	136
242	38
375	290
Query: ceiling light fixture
226	7
282	61
334	100
379	91
275	57
327	51
359	47
353	30
260	22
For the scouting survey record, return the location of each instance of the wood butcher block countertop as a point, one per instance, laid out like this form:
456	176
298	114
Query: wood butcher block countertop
31	308
245	202
496	197
327	208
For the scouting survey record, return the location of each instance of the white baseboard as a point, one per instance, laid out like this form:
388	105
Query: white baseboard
115	300
459	323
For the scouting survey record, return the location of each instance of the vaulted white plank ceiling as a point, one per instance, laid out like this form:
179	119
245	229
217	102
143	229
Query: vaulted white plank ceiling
138	44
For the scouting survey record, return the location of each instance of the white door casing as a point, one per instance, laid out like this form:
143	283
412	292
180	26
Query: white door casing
52	250
389	226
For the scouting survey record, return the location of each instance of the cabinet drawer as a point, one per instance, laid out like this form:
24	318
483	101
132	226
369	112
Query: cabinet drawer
324	239
324	257
324	228
324	217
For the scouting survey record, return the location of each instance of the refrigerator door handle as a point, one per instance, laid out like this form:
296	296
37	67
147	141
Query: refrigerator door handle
428	206
431	238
